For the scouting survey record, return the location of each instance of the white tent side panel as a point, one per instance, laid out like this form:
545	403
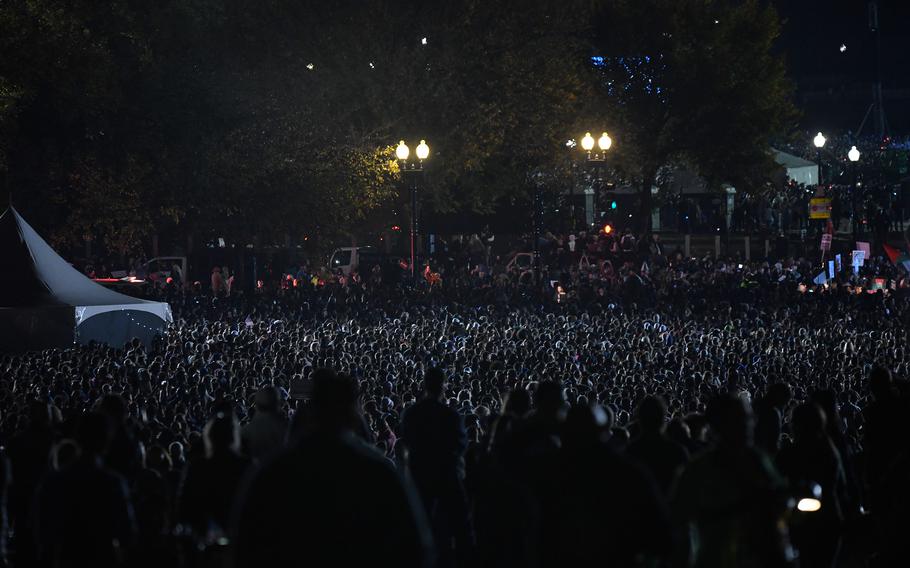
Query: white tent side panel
160	309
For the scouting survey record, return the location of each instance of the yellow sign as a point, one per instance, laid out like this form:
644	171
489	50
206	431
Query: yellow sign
820	208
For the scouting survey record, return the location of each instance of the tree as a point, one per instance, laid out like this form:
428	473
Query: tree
693	82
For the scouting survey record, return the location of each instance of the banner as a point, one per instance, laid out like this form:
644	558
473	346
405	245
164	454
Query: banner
820	208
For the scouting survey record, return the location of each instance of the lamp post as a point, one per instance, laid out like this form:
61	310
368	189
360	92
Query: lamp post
819	142
412	170
853	156
594	158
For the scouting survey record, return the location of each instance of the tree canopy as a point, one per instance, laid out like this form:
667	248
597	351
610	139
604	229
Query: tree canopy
242	119
698	87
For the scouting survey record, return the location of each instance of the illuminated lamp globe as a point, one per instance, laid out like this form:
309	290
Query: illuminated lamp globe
853	154
809	505
423	151
402	151
587	142
605	142
819	140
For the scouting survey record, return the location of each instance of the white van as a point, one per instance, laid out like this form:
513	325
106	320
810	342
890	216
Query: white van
347	258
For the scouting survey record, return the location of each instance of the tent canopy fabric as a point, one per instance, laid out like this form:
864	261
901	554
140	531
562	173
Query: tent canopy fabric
798	169
35	276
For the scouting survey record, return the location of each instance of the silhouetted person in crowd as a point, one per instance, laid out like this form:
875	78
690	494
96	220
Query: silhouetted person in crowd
265	434
813	459
601	509
883	432
732	497
435	439
210	487
769	415
661	456
210	484
28	453
330	498
123	454
83	512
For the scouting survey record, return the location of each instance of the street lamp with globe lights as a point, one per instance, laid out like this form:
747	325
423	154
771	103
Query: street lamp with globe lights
819	142
594	158
853	156
412	170
603	144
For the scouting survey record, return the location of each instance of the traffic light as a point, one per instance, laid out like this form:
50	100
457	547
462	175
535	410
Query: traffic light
608	229
612	205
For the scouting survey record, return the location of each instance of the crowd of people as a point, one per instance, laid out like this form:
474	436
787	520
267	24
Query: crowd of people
646	411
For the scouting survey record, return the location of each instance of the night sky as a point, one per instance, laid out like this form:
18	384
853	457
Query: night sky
834	87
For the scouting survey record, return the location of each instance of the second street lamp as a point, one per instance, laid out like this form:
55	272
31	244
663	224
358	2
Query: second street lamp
411	171
594	158
819	142
853	156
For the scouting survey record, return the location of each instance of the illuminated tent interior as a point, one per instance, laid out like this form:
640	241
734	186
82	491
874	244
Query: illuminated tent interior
45	302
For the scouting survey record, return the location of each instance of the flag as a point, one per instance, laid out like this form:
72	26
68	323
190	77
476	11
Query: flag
821	278
898	257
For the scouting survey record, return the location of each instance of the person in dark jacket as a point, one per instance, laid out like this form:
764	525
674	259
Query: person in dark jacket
660	455
435	439
330	498
209	485
84	516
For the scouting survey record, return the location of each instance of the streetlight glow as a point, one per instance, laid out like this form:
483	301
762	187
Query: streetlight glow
605	142
423	150
402	151
819	140
809	505
853	154
587	142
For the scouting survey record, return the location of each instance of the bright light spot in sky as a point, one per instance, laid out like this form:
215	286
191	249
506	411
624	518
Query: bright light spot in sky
570	143
843	48
423	41
372	66
310	66
716	21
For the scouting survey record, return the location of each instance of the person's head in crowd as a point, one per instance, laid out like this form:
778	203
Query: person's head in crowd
221	434
114	407
93	434
334	403
267	400
39	414
779	395
434	383
809	422
652	414
517	403
65	453
881	384
585	426
549	400
157	459
731	421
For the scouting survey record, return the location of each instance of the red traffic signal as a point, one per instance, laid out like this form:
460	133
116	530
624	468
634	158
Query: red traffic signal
608	228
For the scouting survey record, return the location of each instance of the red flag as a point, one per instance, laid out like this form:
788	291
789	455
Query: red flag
898	257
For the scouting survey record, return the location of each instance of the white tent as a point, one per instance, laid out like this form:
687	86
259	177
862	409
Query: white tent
39	279
798	169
